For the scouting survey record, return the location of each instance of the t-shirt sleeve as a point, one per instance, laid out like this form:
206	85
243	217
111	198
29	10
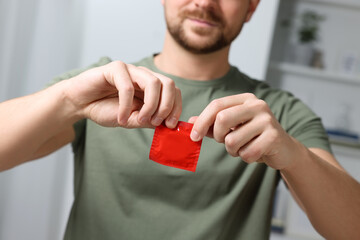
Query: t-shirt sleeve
80	126
304	125
102	61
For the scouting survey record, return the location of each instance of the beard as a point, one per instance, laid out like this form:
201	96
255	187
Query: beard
213	40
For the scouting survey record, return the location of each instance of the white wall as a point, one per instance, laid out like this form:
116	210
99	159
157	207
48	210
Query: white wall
39	40
122	30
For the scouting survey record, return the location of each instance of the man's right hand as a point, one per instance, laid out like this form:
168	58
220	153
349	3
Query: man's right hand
123	95
114	95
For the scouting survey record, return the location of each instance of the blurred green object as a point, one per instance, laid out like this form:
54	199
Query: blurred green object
308	31
309	25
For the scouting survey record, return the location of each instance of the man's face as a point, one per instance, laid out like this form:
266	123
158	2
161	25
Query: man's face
205	26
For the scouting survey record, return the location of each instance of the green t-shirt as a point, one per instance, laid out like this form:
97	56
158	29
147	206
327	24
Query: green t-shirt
121	194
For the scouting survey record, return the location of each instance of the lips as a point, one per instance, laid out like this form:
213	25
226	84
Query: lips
203	21
204	17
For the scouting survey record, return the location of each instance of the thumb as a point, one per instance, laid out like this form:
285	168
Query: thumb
192	119
209	133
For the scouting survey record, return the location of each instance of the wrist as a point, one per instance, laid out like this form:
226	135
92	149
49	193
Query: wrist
299	158
69	109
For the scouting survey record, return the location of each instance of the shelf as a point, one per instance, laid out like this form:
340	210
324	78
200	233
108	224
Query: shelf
337	3
315	73
355	146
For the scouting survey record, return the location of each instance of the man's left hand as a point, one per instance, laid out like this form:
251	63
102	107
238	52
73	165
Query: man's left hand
248	128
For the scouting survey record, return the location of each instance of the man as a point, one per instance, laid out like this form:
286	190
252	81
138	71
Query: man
109	112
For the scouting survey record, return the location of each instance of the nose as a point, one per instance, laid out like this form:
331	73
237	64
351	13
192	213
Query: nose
205	3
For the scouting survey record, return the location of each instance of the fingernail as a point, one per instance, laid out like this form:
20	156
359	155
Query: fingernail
157	121
144	120
123	121
172	121
194	136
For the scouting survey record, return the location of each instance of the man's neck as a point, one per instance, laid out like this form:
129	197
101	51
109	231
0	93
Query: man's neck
177	61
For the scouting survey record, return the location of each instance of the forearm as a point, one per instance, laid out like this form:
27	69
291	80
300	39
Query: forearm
330	197
27	123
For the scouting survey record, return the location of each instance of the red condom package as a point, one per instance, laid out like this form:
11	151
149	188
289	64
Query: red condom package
174	148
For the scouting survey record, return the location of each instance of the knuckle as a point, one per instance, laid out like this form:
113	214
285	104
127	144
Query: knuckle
218	138
230	142
274	136
232	152
221	118
267	120
250	95
165	110
154	80
216	104
118	64
169	82
261	104
255	153
245	156
251	154
127	89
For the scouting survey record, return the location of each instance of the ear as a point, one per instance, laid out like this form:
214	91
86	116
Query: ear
252	7
163	2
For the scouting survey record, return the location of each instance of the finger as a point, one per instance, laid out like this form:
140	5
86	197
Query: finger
119	76
151	85
192	119
167	100
255	149
210	132
208	115
173	118
170	94
133	119
134	123
105	112
228	119
242	135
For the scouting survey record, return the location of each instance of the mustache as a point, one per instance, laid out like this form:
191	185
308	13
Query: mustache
206	15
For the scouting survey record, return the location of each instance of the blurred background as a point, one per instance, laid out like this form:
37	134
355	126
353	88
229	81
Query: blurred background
309	47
